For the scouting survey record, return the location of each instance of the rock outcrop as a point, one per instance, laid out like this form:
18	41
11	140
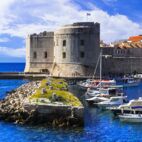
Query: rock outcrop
14	109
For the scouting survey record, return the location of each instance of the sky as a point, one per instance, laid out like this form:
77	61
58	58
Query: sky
119	19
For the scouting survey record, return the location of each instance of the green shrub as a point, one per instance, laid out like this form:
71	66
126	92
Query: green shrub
56	86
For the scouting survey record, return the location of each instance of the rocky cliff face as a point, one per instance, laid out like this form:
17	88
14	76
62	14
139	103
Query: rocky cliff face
13	109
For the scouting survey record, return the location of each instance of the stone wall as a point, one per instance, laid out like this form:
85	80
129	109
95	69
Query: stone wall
39	52
52	110
122	61
72	70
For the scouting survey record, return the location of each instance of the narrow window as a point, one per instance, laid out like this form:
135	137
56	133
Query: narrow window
34	55
57	42
82	42
64	42
64	54
45	54
82	54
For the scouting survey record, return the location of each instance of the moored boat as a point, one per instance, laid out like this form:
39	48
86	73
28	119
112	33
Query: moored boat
130	82
95	83
112	91
133	105
112	101
135	118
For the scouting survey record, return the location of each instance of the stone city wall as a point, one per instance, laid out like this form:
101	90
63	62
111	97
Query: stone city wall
122	61
120	66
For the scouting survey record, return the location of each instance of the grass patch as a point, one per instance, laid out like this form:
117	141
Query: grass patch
56	84
59	87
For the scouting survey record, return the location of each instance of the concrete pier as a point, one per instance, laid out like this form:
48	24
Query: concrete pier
22	75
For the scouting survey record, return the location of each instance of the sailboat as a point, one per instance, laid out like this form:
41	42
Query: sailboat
106	93
97	83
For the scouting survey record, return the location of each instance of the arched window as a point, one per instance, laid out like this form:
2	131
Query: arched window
82	42
64	42
34	55
57	42
45	54
64	54
82	54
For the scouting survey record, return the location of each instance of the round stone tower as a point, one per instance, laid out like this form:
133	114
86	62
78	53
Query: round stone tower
76	49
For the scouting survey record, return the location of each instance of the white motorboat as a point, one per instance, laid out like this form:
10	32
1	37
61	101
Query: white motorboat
97	99
113	101
104	92
92	93
127	108
135	118
132	105
95	83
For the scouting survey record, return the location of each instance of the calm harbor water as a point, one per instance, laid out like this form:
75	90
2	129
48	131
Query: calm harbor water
99	126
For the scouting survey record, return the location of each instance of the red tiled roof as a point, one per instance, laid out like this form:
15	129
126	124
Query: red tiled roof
135	38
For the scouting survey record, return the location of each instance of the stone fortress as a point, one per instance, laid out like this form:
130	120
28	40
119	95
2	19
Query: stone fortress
73	50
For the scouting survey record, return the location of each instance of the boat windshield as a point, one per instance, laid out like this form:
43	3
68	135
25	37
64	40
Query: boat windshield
105	92
114	99
112	91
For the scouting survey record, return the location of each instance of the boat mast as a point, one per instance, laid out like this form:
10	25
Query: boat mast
101	68
98	61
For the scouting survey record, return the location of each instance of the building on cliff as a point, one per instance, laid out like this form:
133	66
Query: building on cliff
72	50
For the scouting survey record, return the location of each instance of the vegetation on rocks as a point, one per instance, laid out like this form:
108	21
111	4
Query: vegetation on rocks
58	87
56	106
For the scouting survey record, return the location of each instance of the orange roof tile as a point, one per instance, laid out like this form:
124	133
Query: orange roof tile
135	38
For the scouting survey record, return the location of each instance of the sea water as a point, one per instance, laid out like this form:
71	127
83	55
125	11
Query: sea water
100	126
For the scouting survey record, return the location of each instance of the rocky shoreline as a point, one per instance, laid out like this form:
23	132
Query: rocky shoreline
14	109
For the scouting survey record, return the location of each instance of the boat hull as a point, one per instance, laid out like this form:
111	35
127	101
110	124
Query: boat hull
131	118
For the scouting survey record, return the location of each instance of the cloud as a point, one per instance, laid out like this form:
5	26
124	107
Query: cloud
115	27
22	30
24	17
20	18
4	40
16	52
